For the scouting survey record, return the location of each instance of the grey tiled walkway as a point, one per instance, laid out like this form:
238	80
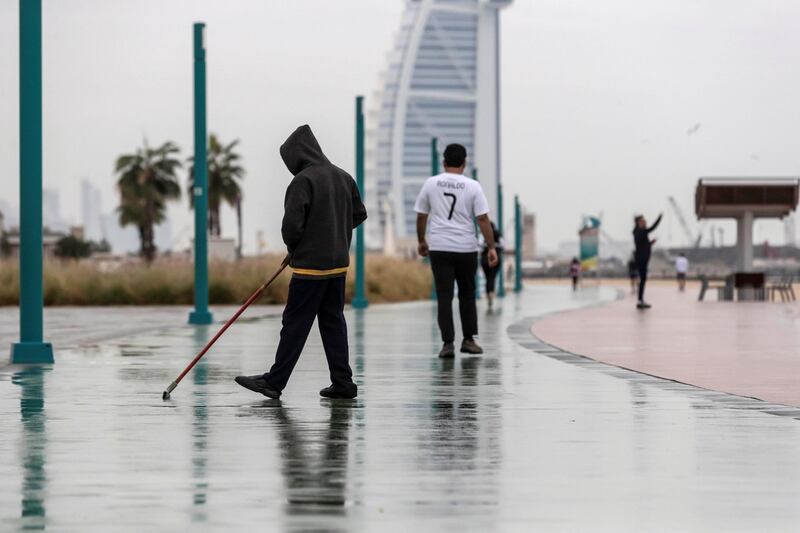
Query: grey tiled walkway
510	441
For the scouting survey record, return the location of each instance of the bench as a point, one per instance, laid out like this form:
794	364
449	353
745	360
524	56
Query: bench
722	288
784	287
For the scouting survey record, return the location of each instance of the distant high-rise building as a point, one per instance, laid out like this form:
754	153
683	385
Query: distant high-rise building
442	81
51	211
91	212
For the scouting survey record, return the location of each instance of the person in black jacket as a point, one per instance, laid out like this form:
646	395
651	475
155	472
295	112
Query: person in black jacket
490	271
321	209
643	244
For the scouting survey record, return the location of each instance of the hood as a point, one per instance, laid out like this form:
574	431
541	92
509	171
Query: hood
301	149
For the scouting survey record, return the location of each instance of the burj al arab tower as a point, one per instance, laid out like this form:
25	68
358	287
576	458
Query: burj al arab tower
442	80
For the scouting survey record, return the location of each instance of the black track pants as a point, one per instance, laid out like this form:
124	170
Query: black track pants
459	267
309	299
641	267
490	272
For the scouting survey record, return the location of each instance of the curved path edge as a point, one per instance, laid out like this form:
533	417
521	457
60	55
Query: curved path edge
521	332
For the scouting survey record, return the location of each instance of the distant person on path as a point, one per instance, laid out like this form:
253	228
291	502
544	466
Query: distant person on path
643	243
682	268
447	206
633	272
490	272
321	208
575	272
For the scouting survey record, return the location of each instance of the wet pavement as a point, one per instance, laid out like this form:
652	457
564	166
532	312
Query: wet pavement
749	349
514	440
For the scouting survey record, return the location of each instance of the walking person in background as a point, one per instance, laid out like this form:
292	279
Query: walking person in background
447	206
575	272
682	268
490	272
633	272
321	208
644	245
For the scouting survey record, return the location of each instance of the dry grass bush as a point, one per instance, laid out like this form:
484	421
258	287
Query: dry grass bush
394	280
171	282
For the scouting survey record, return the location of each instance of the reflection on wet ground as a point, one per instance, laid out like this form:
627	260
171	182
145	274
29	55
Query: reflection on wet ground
33	450
508	441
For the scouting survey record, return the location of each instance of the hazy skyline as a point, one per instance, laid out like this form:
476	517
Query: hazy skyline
608	107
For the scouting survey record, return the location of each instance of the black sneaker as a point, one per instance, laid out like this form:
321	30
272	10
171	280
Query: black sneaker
643	305
338	394
448	351
470	346
258	384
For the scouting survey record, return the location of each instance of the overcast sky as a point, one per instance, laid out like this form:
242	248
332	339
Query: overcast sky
601	99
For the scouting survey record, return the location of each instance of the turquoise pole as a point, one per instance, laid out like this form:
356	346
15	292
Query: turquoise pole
434	171
200	315
434	156
517	245
30	349
360	299
501	284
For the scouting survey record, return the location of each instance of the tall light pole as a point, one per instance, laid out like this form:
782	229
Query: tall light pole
200	314
501	287
434	172
360	299
30	349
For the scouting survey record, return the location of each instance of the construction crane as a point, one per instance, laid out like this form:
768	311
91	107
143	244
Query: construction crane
682	220
700	232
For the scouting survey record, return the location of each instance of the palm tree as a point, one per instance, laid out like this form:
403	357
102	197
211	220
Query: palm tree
224	174
147	181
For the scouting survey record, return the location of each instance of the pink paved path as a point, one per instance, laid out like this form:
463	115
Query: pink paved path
748	349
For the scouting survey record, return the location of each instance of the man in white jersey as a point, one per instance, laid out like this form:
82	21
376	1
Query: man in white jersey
448	206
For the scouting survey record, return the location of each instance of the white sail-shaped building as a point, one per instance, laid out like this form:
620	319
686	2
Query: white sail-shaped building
442	81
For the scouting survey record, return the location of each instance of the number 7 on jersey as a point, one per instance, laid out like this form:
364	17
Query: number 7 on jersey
452	205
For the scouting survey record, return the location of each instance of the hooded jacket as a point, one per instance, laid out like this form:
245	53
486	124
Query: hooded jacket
321	208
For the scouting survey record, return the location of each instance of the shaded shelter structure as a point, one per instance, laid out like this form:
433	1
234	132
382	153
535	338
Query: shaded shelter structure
746	199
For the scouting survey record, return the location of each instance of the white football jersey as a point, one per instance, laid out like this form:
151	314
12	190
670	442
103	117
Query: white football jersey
452	202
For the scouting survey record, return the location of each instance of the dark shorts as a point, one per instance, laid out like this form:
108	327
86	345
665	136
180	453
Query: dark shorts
681	275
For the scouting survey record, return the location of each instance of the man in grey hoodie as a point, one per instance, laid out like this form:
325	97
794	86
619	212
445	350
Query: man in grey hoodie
321	209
